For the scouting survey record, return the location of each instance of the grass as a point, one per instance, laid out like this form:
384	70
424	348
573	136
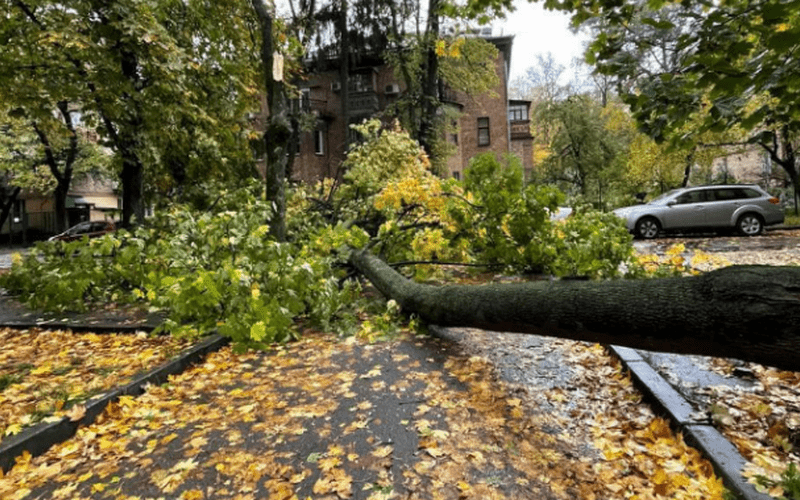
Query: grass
792	219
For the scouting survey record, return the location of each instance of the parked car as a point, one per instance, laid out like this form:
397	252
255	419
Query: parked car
561	213
746	208
92	229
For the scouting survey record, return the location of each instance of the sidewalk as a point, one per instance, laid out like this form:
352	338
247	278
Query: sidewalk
323	418
13	314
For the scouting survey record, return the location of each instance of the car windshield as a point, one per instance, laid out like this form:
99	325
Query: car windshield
662	196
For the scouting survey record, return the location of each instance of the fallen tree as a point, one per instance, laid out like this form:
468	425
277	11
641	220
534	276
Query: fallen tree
751	313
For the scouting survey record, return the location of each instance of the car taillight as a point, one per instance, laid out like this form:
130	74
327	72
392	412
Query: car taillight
775	201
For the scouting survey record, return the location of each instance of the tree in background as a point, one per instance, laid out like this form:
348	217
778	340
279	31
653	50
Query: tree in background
423	42
544	85
45	154
278	130
589	148
152	78
690	68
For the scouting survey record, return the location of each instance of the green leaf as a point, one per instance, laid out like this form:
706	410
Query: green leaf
258	331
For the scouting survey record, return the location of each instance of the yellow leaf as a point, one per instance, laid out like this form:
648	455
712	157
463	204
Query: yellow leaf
76	413
41	370
198	442
327	464
383	451
192	495
13	429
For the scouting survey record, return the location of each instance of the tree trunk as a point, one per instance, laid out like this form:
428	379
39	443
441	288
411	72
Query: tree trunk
63	176
7	205
430	97
344	72
747	312
278	130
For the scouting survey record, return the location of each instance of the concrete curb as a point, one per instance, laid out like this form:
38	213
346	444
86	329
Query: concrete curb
39	438
725	458
79	327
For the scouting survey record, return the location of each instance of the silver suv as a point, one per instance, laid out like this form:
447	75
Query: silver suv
747	208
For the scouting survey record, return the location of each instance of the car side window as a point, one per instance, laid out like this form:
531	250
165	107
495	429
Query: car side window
82	228
728	194
751	193
691	197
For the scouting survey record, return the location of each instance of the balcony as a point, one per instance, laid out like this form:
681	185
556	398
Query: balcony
364	103
521	129
451	96
317	107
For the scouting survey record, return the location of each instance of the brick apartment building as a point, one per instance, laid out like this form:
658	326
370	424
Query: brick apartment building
487	123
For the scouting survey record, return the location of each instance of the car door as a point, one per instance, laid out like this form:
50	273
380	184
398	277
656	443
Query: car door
724	203
688	210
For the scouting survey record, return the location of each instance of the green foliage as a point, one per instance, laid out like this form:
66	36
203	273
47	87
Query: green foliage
491	219
513	226
588	147
594	244
209	270
164	84
218	268
62	276
467	64
789	481
694	73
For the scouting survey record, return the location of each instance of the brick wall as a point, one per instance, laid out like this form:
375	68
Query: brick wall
325	102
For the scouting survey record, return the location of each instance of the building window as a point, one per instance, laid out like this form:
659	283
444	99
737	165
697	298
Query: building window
483	131
319	142
296	147
456	175
518	113
361	83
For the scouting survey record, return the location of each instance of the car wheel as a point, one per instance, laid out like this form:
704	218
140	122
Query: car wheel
749	225
647	228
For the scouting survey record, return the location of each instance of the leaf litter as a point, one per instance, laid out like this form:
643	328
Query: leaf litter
762	419
327	418
46	375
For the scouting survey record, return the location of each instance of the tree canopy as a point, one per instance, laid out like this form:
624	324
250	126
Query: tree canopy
163	83
695	67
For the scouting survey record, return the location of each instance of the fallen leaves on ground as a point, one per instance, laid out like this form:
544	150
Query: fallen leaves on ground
45	375
589	402
413	418
762	421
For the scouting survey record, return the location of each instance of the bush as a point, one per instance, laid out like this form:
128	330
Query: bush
209	270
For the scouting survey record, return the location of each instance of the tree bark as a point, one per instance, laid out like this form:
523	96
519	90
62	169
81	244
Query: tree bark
62	176
7	204
430	95
750	313
278	130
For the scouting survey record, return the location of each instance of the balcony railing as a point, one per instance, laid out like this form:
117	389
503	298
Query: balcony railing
451	96
521	129
364	102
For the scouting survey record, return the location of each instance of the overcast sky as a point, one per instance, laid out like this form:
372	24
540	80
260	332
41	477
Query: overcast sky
538	31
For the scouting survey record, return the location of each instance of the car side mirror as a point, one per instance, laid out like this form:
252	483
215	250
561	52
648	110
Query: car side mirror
671	203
